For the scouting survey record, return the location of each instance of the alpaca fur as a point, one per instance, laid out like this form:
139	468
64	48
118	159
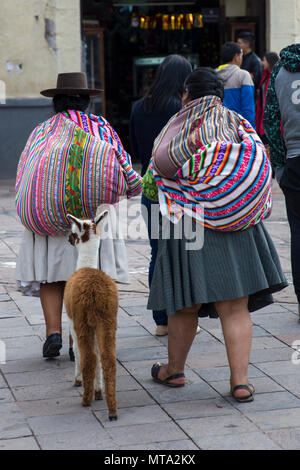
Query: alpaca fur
91	300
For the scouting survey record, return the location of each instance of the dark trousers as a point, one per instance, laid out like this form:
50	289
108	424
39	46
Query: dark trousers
290	185
160	317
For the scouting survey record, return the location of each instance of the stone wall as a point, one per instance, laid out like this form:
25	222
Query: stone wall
38	40
283	19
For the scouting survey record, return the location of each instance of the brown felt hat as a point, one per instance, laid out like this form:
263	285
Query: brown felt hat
71	84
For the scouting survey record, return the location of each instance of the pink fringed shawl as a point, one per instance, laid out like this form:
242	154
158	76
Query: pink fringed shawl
71	163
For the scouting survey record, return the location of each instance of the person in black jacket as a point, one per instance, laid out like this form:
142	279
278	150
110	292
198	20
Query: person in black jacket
149	115
251	62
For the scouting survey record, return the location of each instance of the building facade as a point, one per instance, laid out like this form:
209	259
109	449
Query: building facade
38	39
119	44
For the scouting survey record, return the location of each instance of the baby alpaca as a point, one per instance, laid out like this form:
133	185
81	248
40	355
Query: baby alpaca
91	300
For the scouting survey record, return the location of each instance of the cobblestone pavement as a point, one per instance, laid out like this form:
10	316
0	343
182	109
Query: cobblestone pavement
40	409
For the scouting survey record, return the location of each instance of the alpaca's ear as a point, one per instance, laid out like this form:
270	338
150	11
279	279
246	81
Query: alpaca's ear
75	220
100	217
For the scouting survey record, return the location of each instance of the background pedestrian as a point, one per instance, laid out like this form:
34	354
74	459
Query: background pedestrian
251	62
148	117
281	125
268	62
238	84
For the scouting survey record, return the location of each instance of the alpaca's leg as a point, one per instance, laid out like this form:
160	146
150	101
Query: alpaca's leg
78	375
88	363
107	346
98	376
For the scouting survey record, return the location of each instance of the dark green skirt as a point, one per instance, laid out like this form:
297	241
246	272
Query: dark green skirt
229	266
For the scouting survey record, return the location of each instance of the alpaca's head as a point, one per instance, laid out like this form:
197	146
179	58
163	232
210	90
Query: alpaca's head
82	230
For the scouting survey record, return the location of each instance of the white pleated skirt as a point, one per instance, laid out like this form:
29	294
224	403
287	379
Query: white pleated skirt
51	259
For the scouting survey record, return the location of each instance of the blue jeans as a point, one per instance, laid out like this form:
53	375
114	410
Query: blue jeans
160	317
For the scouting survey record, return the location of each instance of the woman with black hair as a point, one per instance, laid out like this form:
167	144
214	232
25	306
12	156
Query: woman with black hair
149	115
236	270
78	141
268	62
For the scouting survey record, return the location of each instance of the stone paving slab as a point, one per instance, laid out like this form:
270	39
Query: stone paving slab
279	368
136	342
275	419
289	382
261	384
258	331
171	445
12	422
48	414
207	360
267	402
198	408
134	416
137	310
6	396
22	443
88	440
288	439
242	441
41	377
155	353
258	356
216	426
18	332
84	421
131	332
51	407
4	297
288	339
223	373
36	364
46	392
146	433
127	399
189	392
3	383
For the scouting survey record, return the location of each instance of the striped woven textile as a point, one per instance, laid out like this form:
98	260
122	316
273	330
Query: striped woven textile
225	186
71	163
203	120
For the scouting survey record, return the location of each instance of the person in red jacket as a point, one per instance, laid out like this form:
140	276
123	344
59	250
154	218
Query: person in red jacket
268	63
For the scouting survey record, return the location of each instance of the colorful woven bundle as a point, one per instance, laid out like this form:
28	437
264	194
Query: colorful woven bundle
225	186
67	168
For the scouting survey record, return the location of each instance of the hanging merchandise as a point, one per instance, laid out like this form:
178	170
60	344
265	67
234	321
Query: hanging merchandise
154	21
165	22
198	20
142	21
179	21
172	22
189	21
147	22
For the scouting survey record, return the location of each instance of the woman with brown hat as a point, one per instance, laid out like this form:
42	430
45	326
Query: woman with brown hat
46	259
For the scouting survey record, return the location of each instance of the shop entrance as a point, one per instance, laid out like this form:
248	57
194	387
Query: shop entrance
124	41
132	40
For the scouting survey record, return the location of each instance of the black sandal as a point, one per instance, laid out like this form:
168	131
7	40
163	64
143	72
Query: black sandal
154	372
246	399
